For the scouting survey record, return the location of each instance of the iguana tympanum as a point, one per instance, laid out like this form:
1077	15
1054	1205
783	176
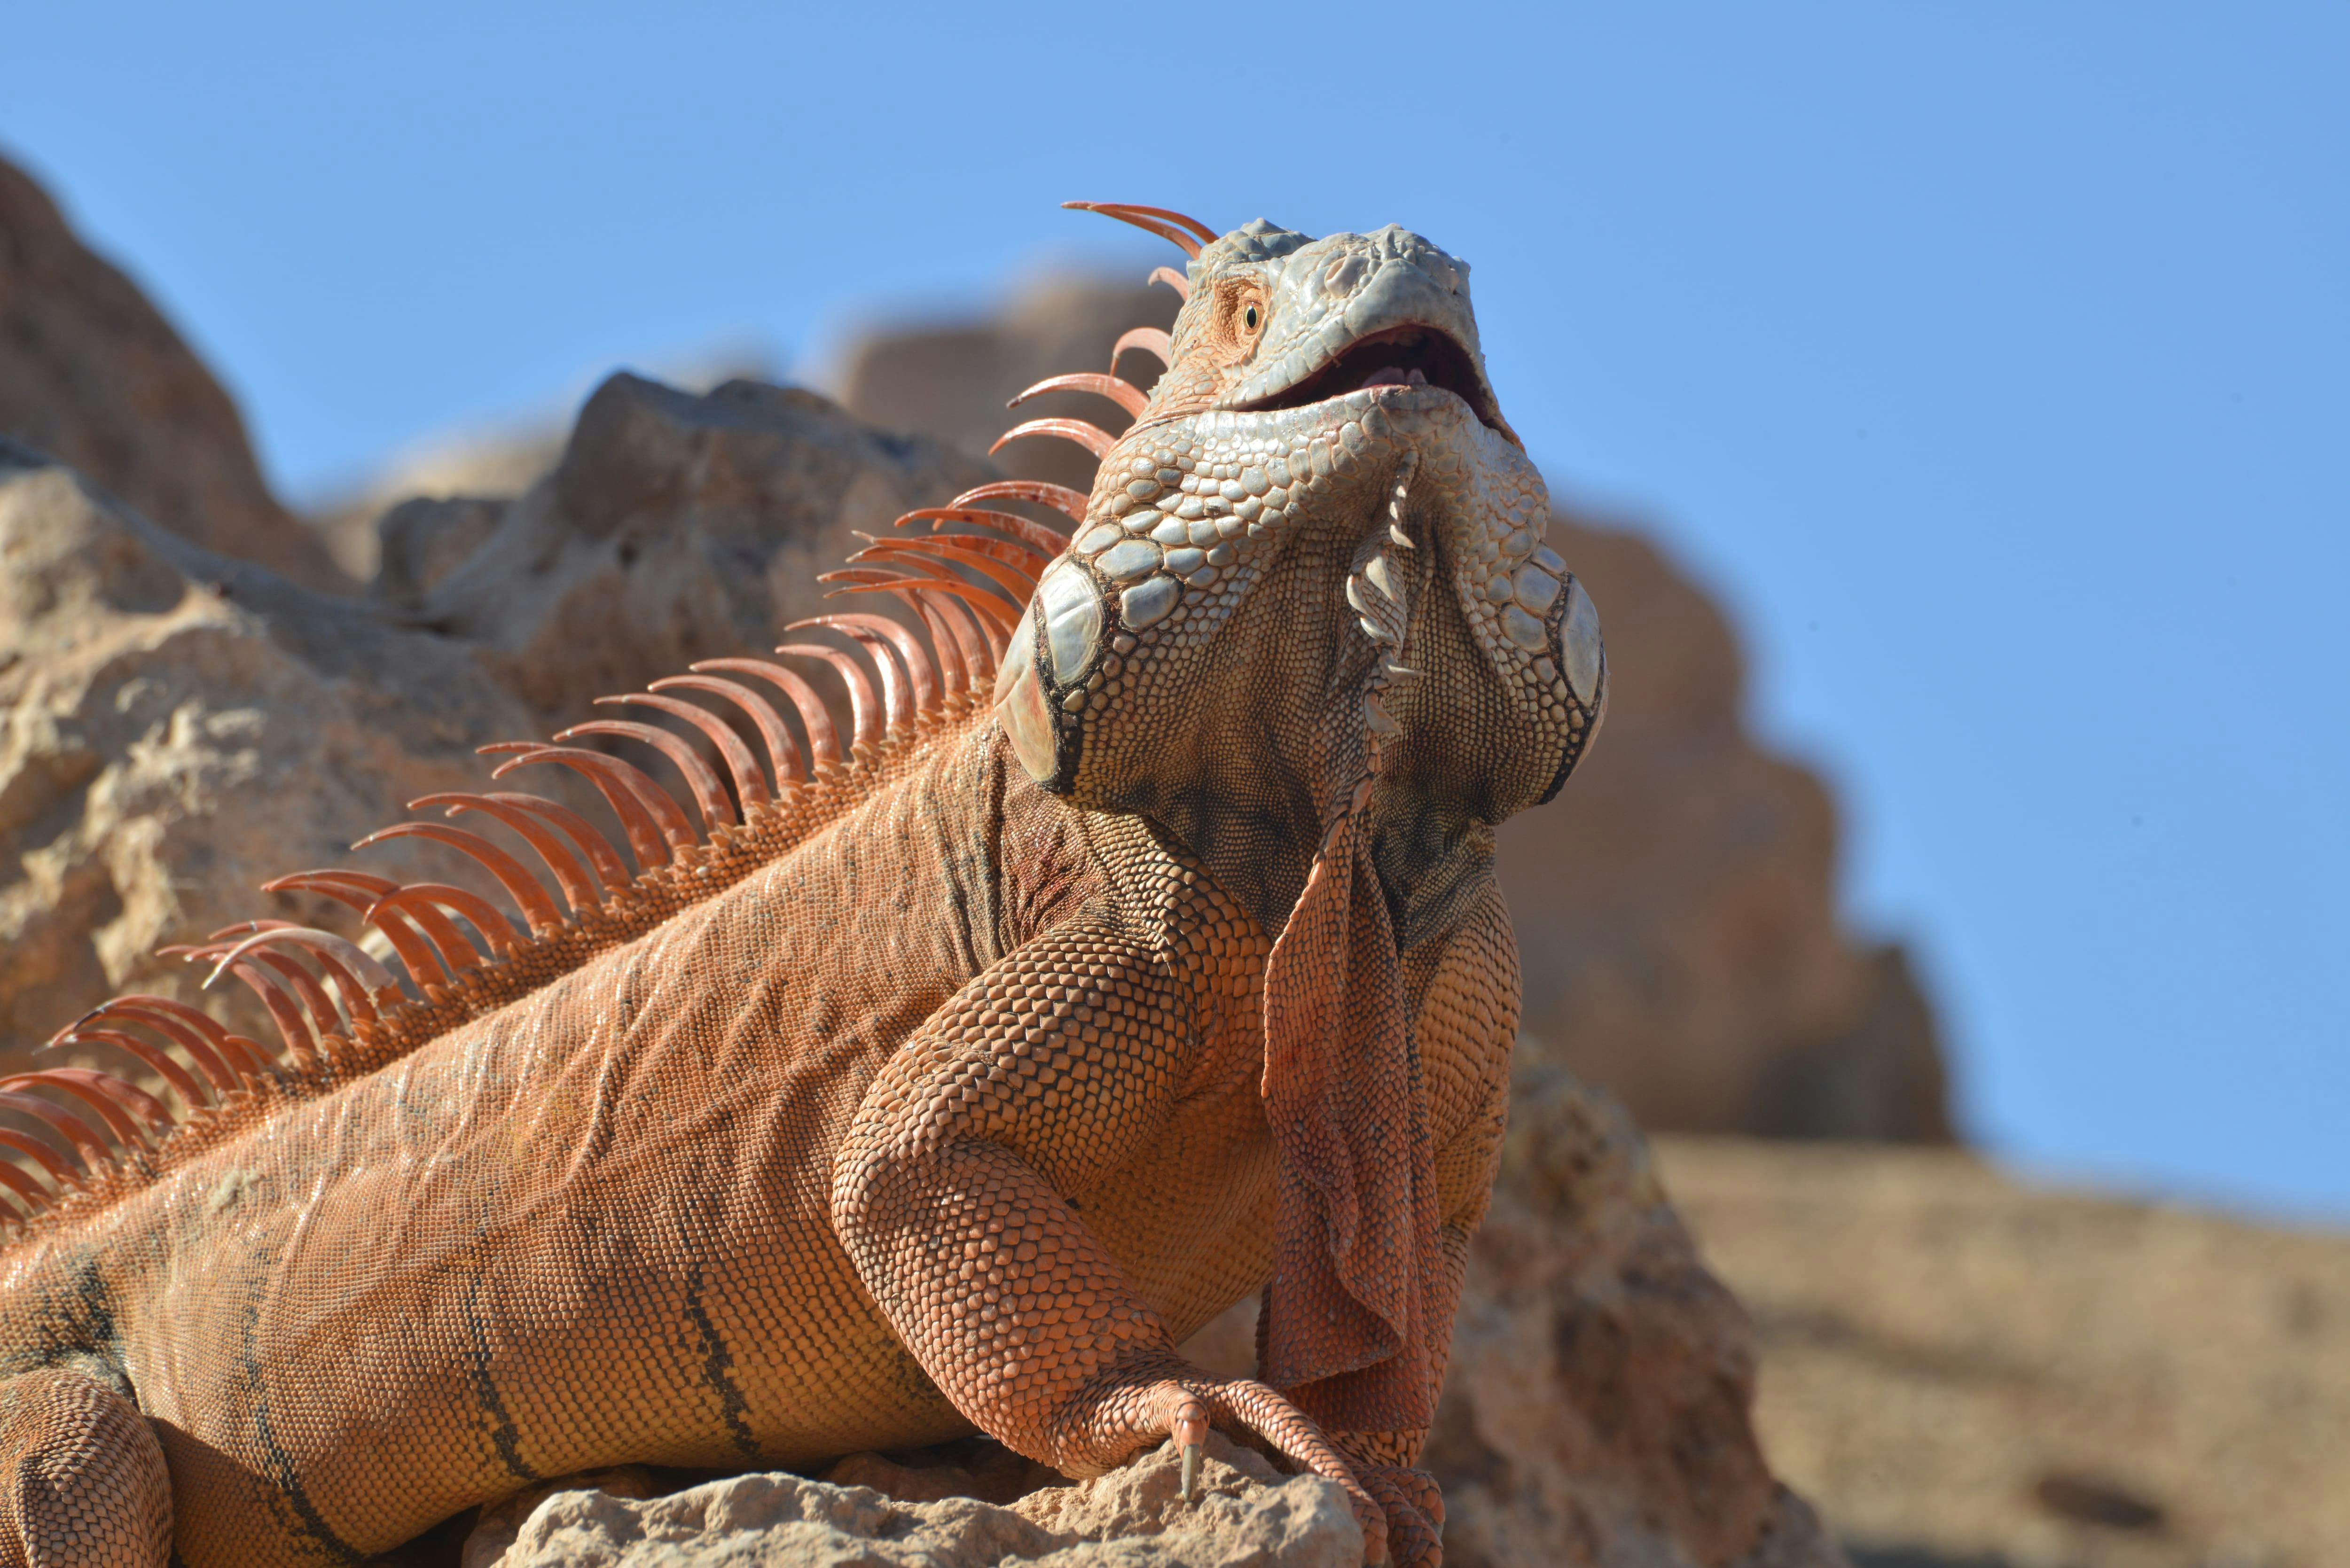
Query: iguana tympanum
1141	951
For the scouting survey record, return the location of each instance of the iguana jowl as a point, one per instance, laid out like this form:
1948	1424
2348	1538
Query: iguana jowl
947	1082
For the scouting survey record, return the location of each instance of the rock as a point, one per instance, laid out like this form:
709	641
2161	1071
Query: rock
676	527
1599	1405
1677	913
1246	1517
497	1526
489	470
1881	1079
92	374
1676	909
181	727
423	539
1961	1369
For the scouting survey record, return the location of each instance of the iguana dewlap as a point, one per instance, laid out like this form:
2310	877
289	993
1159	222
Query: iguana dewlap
1142	953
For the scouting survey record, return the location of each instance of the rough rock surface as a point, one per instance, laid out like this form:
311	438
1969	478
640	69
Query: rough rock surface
488	469
180	727
1676	917
1964	1372
92	374
1247	1516
675	527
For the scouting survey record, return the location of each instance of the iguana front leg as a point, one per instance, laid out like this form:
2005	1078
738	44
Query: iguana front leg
952	1193
82	1479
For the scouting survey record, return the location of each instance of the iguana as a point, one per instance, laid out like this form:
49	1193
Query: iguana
1140	950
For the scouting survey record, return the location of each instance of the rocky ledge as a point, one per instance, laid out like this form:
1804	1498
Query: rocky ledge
874	1514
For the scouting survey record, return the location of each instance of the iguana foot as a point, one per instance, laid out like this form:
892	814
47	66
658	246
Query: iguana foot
1414	1506
1131	1411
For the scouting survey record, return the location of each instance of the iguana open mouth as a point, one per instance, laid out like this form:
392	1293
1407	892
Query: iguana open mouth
1400	356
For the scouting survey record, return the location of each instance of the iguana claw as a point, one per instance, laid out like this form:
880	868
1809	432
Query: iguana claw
1190	1435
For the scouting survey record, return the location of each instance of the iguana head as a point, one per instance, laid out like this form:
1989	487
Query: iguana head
1316	556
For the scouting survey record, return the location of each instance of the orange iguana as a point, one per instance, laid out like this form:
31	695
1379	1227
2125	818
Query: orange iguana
1141	951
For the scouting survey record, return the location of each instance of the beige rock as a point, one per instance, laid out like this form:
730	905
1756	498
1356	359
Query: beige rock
92	374
1677	914
487	470
1961	1370
1598	1408
1246	1517
1676	907
179	728
677	527
423	539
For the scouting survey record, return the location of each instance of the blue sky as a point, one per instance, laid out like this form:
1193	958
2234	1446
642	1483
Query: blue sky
1991	362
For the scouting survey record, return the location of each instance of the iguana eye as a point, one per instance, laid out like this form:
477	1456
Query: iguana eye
1248	308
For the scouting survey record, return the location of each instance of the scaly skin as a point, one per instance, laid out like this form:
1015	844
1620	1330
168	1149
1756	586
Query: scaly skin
1179	971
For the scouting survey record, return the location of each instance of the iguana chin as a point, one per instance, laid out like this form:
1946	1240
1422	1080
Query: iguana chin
949	1082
